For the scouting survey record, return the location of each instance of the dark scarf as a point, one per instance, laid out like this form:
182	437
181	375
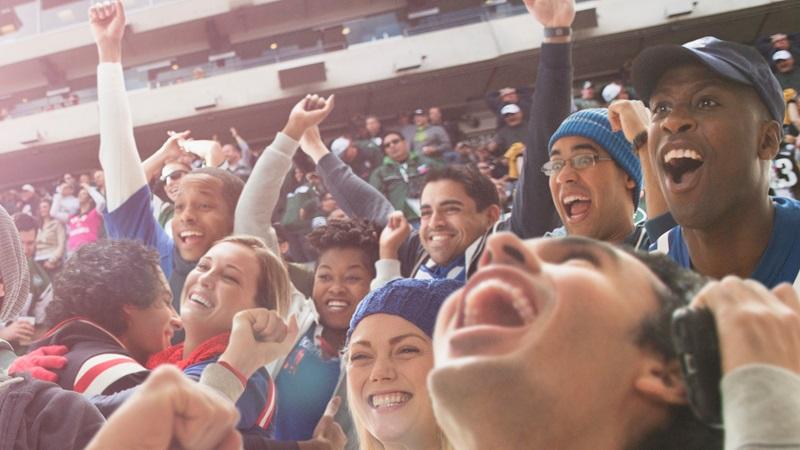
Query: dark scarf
173	355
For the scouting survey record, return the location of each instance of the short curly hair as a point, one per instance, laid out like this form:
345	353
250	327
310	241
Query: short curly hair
101	278
351	233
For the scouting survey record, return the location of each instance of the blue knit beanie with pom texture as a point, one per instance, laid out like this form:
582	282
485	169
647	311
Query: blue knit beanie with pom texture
593	124
417	301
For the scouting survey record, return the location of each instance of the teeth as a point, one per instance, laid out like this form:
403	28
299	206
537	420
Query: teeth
438	237
568	200
523	307
201	300
337	305
681	153
387	400
517	299
185	234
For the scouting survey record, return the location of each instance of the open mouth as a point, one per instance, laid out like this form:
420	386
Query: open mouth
388	400
681	163
190	237
439	237
197	299
576	207
496	302
337	305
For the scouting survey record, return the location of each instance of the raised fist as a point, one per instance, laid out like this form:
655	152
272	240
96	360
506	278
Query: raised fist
107	21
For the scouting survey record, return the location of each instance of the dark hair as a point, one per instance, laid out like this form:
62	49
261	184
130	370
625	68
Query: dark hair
231	184
303	162
684	431
351	233
101	278
478	187
25	222
387	133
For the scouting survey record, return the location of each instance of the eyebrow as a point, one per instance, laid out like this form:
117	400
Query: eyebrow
698	85
576	147
352	266
584	146
397	339
392	341
590	247
451	203
231	266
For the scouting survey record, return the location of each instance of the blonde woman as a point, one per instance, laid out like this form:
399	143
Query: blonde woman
389	355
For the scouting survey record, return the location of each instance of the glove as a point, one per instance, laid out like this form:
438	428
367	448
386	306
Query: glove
40	363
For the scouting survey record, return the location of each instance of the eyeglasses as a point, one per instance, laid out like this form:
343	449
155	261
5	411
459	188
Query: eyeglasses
578	162
388	144
174	176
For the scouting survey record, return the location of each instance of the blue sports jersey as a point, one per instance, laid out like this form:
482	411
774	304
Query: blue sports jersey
134	220
305	384
781	259
256	405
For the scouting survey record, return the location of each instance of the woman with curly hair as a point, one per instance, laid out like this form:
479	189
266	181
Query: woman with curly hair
308	377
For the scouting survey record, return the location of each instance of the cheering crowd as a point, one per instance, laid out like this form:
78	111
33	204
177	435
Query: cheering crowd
392	290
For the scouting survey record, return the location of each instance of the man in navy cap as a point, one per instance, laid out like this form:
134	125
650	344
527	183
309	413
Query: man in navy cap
716	125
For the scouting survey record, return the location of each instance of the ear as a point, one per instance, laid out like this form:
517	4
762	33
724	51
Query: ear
493	214
128	310
630	183
661	381
770	140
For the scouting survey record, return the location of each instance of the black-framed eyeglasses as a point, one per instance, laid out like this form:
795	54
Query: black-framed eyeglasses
388	144
578	162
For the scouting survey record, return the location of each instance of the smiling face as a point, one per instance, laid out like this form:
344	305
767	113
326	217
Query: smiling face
341	280
224	282
172	184
450	221
593	202
559	317
202	216
710	142
388	362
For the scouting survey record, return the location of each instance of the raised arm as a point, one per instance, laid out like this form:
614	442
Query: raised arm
55	208
260	194
247	154
169	151
99	200
128	214
356	197
534	213
633	118
118	154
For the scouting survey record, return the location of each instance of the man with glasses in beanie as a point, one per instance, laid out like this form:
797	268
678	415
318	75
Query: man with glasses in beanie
717	111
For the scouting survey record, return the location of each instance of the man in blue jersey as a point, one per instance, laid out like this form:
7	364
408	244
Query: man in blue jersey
716	126
206	201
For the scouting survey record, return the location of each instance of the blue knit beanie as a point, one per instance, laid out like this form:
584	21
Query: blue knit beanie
593	124
417	301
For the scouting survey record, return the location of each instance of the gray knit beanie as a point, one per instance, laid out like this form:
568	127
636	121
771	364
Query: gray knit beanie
13	269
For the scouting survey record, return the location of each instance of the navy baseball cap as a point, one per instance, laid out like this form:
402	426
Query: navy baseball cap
730	60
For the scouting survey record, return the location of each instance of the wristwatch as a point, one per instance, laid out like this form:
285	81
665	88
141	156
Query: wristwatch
557	31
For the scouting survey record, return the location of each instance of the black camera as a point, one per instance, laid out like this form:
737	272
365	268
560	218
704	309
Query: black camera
694	336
